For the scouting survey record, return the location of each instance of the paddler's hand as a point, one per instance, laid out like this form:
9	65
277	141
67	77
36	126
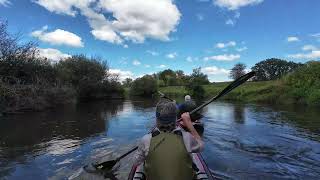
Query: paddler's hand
188	124
186	120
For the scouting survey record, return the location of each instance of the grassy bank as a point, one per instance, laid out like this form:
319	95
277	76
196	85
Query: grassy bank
300	87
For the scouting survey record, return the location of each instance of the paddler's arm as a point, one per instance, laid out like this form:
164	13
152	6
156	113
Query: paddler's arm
188	124
143	149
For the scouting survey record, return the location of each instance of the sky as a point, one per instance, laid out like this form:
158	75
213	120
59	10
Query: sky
138	37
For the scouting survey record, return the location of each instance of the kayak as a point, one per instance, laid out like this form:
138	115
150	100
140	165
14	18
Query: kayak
201	170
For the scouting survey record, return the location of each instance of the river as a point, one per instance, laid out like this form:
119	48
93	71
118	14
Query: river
242	141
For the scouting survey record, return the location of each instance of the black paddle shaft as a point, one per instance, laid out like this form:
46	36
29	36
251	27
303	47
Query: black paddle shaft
226	90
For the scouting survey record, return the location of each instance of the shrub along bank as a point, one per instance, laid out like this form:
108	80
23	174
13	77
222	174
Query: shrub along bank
29	82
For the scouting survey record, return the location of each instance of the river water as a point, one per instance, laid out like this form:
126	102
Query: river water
242	141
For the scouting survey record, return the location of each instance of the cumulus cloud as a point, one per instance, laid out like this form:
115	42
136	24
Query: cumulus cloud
161	66
223	57
314	54
153	53
136	62
292	39
189	59
235	4
225	45
128	20
214	70
58	37
121	74
309	48
242	49
200	16
53	54
216	74
5	3
172	55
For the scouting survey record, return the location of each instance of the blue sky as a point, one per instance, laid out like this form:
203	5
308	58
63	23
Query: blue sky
139	37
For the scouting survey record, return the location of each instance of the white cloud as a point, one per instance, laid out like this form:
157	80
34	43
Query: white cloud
147	66
122	74
292	39
214	70
223	57
225	45
136	62
125	46
314	54
230	22
153	53
309	48
172	55
161	66
242	49
235	4
58	37
189	59
5	3
200	17
128	20
316	35
53	54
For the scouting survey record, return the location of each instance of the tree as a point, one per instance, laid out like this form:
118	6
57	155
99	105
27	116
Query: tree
198	77
271	69
237	71
194	86
127	82
168	76
144	86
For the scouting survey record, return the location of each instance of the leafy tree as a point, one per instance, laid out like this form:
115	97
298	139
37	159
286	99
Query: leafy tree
168	76
198	77
237	71
194	86
271	69
127	82
144	86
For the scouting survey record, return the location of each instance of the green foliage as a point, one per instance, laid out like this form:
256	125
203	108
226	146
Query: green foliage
194	86
304	83
272	69
127	82
144	86
197	77
237	71
28	82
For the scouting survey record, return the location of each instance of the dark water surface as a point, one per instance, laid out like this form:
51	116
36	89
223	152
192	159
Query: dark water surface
242	141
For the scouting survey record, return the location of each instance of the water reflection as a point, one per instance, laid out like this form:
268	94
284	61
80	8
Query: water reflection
239	113
54	133
242	141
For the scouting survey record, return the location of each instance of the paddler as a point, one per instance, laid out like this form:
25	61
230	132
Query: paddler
165	152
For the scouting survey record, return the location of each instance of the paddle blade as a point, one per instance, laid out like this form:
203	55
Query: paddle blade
108	165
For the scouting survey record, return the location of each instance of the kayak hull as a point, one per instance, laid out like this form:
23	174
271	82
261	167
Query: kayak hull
201	171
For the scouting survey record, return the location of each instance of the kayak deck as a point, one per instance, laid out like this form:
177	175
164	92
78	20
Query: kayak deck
201	170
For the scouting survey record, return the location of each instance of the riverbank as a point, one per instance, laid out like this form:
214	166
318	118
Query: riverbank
301	87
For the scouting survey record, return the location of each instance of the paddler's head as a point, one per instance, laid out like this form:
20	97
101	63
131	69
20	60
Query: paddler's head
187	98
166	113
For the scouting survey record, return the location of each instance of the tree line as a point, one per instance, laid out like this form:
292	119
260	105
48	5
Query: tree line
31	82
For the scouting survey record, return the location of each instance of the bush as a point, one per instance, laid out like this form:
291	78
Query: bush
304	83
144	86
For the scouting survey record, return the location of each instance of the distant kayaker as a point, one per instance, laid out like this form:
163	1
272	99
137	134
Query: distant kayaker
166	151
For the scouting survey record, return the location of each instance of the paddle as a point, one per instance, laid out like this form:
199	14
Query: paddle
230	87
109	164
164	96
